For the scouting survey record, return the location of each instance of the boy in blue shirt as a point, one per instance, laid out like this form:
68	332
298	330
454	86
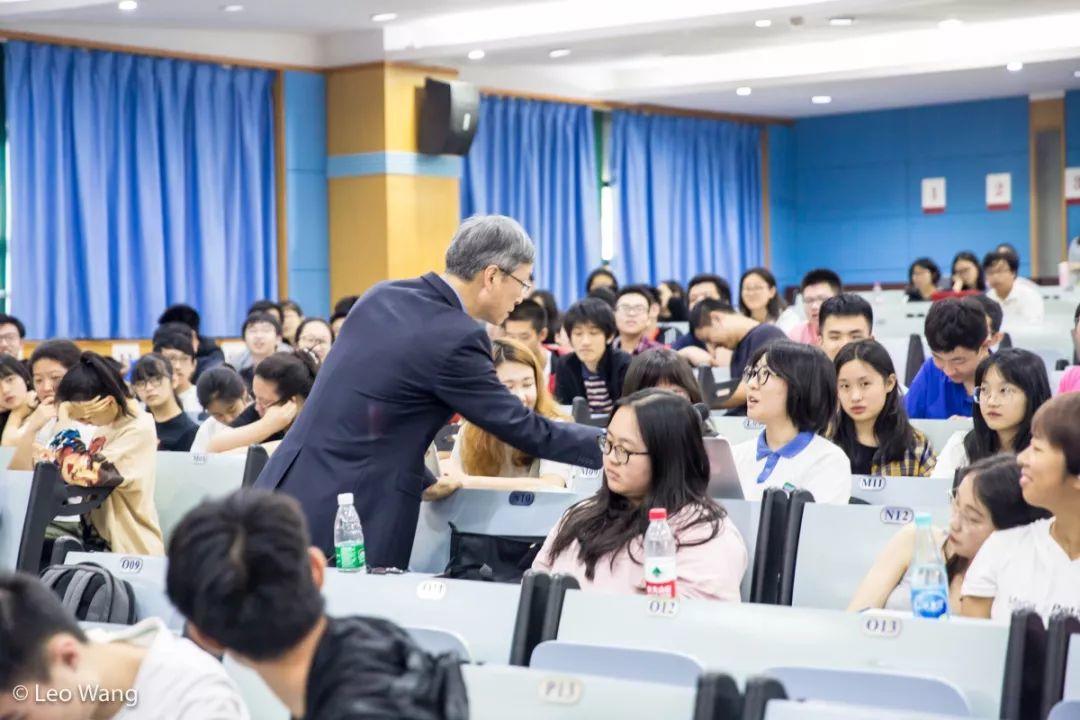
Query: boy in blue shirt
957	334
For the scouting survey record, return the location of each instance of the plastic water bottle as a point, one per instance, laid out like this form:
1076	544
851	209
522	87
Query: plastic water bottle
929	581
660	572
349	553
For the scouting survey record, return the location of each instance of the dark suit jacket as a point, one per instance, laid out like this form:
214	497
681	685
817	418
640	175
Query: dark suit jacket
569	383
407	358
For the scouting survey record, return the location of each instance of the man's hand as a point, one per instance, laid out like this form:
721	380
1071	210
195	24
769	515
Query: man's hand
443	488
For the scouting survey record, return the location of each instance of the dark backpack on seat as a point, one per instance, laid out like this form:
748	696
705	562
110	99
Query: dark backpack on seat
91	593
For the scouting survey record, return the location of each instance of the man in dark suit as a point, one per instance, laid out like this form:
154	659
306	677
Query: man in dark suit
410	354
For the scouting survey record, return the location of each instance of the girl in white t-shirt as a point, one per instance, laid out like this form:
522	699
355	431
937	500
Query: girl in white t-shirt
481	460
1037	566
791	390
224	395
1010	386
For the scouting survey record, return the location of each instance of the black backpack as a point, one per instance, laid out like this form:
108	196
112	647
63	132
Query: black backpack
495	558
91	593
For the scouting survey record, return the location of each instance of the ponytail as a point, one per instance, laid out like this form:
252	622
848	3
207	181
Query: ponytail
292	372
94	376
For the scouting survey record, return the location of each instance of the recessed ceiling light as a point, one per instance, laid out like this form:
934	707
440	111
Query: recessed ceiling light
1015	66
558	53
763	23
950	24
477	54
1076	73
821	99
127	5
744	91
841	21
383	17
232	8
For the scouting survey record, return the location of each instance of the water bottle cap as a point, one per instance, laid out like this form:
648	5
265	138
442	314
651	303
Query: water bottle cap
344	499
923	519
657	514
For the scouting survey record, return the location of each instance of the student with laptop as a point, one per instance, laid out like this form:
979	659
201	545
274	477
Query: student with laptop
791	390
653	458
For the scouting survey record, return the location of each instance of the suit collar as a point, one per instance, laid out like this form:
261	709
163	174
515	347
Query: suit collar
444	289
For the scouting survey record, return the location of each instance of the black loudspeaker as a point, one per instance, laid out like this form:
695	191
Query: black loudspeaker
448	117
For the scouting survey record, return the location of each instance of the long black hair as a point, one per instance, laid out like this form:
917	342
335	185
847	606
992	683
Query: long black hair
980	283
661	366
607	523
894	433
92	377
10	365
776	303
1025	370
292	372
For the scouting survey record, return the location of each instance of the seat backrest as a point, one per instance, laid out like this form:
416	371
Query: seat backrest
746	516
743	639
484	614
499	692
14	500
906	491
146	575
877	688
487	512
254	462
658	666
735	429
837	546
816	710
939	431
1071	689
183	480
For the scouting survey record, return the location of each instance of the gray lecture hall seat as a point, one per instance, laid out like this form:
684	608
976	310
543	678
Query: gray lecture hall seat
939	431
665	667
815	710
146	575
744	640
905	491
1061	683
14	500
184	480
735	429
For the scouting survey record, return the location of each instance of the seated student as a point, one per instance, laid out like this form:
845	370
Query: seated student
817	286
266	306
872	426
262	338
336	321
957	334
33	430
282	383
596	369
1010	386
967	273
344	305
291	317
923	278
175	346
759	297
1037	565
315	335
1070	381
606	294
225	396
527	323
721	325
844	319
636	310
145	672
653	458
243	575
701	287
994	318
207	352
601	277
986	496
120	444
672	302
791	390
1010	248
482	460
546	300
15	397
665	369
155	385
1022	304
12	333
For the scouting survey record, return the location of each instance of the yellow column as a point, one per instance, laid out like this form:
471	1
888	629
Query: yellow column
392	210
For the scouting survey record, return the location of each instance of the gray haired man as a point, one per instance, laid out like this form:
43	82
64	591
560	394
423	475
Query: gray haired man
410	355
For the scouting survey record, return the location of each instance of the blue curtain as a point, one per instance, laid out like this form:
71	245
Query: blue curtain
688	197
536	162
137	182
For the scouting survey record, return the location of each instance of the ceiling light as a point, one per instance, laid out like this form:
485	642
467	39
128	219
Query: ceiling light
477	54
763	23
841	21
127	5
1076	73
950	24
744	91
821	99
1015	66
383	17
558	53
232	8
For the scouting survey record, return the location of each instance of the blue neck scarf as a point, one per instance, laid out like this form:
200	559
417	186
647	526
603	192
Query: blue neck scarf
771	457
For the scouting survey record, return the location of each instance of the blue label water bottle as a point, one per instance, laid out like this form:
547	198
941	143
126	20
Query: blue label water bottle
929	580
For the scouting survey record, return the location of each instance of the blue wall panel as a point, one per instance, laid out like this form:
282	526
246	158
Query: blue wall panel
1072	153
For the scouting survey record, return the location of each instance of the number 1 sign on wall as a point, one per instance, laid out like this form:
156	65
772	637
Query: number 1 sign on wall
998	191
1072	185
933	195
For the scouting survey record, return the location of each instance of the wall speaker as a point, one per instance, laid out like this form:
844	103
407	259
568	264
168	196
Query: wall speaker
448	116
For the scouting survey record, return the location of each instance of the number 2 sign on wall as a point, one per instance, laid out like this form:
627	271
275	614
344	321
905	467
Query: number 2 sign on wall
998	191
1072	185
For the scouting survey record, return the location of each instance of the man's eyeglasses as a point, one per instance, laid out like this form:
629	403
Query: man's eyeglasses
526	288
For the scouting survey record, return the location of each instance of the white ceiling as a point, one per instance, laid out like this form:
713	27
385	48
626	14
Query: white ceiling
685	53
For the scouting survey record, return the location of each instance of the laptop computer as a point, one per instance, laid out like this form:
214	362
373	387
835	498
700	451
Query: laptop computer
723	475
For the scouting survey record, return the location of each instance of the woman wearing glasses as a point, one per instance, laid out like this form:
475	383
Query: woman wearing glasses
1010	385
986	497
316	336
155	386
653	458
791	390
